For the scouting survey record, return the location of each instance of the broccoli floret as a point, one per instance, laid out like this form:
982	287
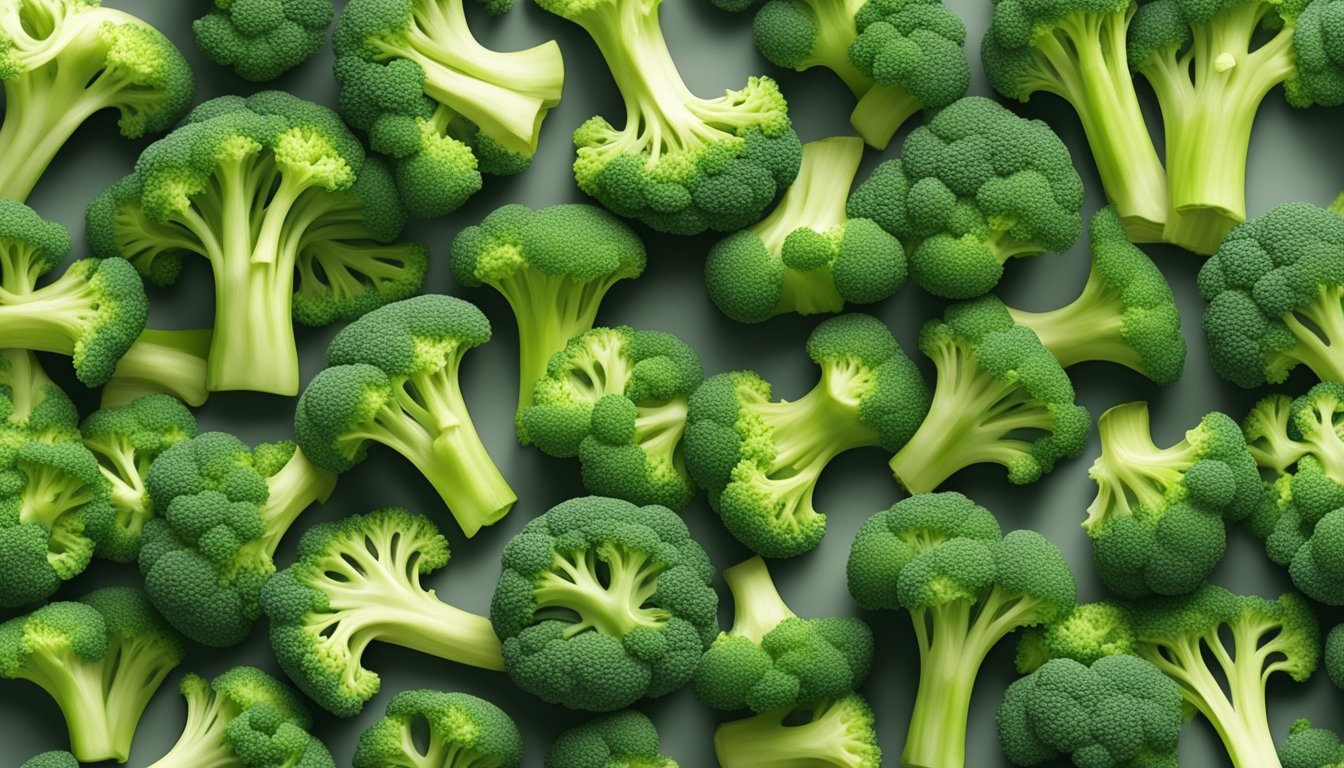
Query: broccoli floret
463	731
761	459
444	107
263	39
1120	712
617	398
1334	655
257	186
1308	747
553	266
1276	292
1126	313
101	659
967	586
602	603
1001	398
1089	632
1157	522
839	733
32	404
975	186
770	658
222	510
52	760
393	379
161	362
61	62
626	738
807	256
357	581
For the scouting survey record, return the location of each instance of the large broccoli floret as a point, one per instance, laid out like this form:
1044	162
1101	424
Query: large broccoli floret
56	759
260	187
463	731
761	459
770	658
1308	747
974	187
393	379
617	398
839	733
1089	632
1157	521
1001	398
602	603
356	582
626	738
101	659
62	61
553	266
263	39
807	256
222	510
1276	297
161	362
444	107
967	586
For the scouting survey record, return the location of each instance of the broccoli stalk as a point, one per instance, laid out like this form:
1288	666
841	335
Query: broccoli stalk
840	732
168	362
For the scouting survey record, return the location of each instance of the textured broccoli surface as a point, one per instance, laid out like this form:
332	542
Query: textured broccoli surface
1334	655
1308	747
463	731
263	39
626	738
1089	632
52	760
602	603
161	362
760	459
825	733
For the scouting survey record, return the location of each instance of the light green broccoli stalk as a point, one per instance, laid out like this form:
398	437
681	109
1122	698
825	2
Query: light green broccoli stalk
263	39
619	596
62	61
1308	747
162	362
808	256
626	738
56	759
831	733
463	731
967	586
356	582
31	403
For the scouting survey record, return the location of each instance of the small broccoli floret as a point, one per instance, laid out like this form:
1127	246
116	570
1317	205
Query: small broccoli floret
357	581
770	658
263	39
602	603
974	187
838	733
1001	398
1334	655
161	362
553	266
101	659
1308	747
61	62
1125	315
1157	521
1276	296
52	760
393	379
967	586
31	403
807	256
222	510
626	738
617	398
760	459
463	731
1089	632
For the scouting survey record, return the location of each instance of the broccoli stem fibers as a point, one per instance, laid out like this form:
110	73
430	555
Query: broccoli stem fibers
468	480
757	606
949	662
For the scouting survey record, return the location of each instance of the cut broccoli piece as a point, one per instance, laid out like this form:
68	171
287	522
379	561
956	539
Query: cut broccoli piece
616	596
463	731
831	733
52	760
223	509
393	379
617	398
263	39
760	459
161	362
807	256
626	738
1308	747
61	62
1089	632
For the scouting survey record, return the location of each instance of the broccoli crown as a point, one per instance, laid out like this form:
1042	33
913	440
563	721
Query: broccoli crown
975	186
55	759
441	105
1308	747
626	738
617	399
263	39
600	644
1089	632
770	658
760	459
839	732
1334	655
914	46
1120	711
1274	289
463	730
222	509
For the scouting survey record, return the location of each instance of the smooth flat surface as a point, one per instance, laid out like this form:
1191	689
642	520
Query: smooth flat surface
1295	155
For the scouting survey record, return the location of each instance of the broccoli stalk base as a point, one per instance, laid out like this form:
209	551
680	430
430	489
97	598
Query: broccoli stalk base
757	605
881	112
171	362
764	741
202	743
1091	328
78	688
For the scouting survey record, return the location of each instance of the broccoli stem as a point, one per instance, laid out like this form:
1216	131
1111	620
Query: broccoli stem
49	494
77	687
659	431
816	199
757	606
173	362
1132	472
1316	326
202	743
613	606
468	480
836	31
293	489
765	741
1090	328
881	111
51	319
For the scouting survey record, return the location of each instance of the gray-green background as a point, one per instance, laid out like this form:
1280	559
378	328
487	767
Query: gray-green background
1295	156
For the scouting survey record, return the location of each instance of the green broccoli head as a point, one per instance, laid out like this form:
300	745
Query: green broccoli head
463	730
263	39
1089	632
1308	747
222	509
30	247
761	459
974	186
621	738
161	362
57	759
839	732
601	643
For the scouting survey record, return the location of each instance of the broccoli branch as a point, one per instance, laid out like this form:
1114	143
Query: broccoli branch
1089	328
202	742
173	362
613	606
1318	326
757	606
831	736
